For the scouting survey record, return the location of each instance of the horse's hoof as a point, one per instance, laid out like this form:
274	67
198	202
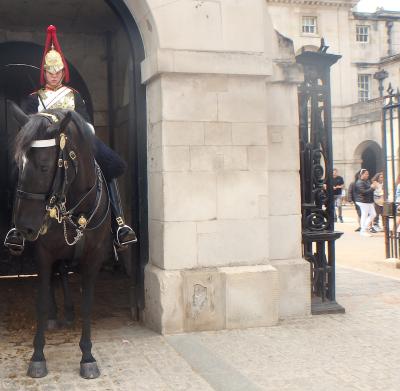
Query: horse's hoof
89	370
52	324
37	369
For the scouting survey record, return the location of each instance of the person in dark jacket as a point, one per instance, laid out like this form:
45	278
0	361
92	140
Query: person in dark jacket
351	197
364	197
338	186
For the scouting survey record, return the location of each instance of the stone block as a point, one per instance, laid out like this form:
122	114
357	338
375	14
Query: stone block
190	196
164	300
294	287
257	158
156	243
249	15
233	242
284	192
217	133
156	196
244	102
280	97
238	193
285	237
180	245
201	22
233	157
252	296
167	60
176	158
189	98
263	203
183	133
154	101
285	151
154	134
204	300
203	158
227	63
211	298
154	159
249	134
207	227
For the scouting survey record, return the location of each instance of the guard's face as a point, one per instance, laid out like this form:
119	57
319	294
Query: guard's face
54	79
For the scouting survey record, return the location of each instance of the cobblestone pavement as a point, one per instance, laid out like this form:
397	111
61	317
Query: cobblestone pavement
358	350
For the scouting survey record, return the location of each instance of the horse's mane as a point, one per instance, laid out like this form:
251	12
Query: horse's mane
38	127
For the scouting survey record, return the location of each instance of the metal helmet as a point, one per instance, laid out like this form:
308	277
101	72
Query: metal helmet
53	59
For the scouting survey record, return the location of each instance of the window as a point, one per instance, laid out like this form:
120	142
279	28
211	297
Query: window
309	25
364	82
362	33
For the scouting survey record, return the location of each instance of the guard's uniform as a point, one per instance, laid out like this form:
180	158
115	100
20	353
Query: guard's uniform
62	98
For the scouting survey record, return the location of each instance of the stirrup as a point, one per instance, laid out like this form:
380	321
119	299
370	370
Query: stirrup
15	248
123	244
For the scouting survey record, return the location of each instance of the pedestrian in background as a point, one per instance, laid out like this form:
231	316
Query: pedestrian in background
378	200
338	185
351	197
364	197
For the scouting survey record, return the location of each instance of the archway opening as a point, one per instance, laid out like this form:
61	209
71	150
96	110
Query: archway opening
103	46
369	161
370	154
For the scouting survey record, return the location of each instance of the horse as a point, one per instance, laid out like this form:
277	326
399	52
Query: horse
61	204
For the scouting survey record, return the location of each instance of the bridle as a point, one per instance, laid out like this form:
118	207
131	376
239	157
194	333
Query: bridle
56	199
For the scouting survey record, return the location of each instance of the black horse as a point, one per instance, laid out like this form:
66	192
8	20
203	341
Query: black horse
62	205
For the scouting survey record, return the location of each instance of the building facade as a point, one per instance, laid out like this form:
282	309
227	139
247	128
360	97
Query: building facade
200	97
370	47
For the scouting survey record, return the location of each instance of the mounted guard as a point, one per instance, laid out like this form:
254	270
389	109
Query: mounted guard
55	95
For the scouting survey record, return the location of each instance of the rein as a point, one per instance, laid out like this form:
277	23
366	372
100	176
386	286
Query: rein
57	198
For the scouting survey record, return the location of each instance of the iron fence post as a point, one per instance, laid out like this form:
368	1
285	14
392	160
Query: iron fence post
316	166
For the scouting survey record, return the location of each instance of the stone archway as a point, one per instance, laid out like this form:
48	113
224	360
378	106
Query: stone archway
369	153
104	44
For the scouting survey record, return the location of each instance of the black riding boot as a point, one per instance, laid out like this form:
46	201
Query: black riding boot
14	241
123	234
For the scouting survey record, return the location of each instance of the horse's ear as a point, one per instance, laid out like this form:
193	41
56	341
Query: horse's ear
65	121
20	117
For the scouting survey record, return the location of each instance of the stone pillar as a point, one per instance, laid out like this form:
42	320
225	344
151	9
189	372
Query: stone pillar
284	183
213	227
209	249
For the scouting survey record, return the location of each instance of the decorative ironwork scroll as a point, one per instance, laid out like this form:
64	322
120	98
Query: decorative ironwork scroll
316	163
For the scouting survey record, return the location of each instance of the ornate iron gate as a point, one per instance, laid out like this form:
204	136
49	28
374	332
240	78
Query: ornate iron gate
316	177
391	145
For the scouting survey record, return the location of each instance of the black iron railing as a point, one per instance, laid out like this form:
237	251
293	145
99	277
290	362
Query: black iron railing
391	145
316	177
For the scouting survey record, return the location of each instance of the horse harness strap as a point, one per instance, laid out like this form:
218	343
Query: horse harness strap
57	199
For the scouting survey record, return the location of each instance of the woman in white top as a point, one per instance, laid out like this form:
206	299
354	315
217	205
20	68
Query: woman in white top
378	199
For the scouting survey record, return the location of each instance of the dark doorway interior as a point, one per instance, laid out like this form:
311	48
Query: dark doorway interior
372	160
121	112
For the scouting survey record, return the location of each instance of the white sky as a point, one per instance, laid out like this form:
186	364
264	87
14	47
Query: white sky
371	5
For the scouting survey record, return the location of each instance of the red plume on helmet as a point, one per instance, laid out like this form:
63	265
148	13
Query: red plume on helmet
51	40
